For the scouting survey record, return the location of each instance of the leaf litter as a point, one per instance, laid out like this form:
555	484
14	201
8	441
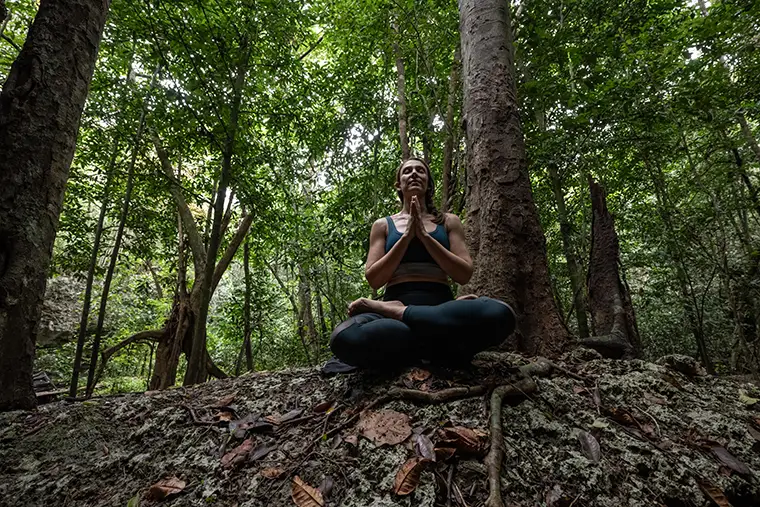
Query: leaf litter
151	438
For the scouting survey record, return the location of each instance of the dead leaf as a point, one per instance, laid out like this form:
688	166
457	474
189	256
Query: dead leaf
408	476
730	460
464	440
293	414
590	446
754	433
385	427
424	447
304	495
323	407
262	450
418	375
225	414
597	396
251	422
444	453
714	492
578	389
226	401
326	486
237	456
166	488
272	473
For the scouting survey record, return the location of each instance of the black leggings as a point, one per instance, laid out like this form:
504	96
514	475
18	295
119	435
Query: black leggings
434	327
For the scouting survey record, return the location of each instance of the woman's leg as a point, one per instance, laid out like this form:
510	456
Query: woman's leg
457	330
369	340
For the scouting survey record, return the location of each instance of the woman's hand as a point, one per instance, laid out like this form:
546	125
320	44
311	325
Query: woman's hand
416	223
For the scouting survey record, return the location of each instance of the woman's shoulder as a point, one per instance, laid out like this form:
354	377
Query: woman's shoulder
381	224
451	220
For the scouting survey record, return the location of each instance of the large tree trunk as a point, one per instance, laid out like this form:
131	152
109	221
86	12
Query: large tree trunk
504	233
40	107
610	301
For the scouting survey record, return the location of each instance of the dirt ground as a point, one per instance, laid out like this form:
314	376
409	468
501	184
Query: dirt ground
664	438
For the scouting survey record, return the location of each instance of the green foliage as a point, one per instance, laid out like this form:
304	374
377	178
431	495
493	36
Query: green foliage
640	95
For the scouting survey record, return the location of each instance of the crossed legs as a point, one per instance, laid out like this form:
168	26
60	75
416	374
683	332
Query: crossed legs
383	334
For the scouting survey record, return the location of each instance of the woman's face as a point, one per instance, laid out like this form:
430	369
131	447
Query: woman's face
413	178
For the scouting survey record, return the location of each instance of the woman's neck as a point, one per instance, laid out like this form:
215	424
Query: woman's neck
408	204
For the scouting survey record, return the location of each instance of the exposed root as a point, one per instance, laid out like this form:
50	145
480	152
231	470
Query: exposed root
495	454
539	367
612	346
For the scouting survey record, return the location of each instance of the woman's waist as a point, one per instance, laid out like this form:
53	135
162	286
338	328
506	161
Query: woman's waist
419	292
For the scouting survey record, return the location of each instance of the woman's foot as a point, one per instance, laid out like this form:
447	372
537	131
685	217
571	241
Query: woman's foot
390	309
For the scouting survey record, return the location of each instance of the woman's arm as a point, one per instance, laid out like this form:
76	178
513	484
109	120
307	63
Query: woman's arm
457	263
380	265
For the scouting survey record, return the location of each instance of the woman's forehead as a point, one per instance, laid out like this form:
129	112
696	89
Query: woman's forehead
413	163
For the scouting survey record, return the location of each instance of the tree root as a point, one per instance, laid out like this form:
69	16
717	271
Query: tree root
538	367
611	346
495	453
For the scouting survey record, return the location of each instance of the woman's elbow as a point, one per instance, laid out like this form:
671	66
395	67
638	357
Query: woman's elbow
373	279
464	277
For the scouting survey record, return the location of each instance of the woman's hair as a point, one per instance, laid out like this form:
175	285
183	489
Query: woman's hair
438	217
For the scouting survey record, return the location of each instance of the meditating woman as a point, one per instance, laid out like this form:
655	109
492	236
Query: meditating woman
413	254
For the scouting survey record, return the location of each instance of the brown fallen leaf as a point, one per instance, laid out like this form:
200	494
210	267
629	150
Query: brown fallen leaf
444	453
272	473
237	456
418	375
579	389
326	486
464	440
424	447
226	401
165	488
408	476
323	407
385	427
730	460
304	495
225	414
590	446
754	433
262	450
713	492
656	400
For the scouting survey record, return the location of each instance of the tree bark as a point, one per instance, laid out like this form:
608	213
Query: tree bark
119	235
504	233
403	120
306	314
84	320
247	308
610	302
40	107
448	145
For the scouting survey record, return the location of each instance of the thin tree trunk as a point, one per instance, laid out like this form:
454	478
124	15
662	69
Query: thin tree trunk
247	308
448	145
119	235
682	276
504	233
196	363
401	97
321	316
306	314
40	107
85	317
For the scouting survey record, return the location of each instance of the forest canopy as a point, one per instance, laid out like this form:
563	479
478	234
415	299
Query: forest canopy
233	155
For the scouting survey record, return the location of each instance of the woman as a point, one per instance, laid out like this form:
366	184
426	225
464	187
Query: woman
413	254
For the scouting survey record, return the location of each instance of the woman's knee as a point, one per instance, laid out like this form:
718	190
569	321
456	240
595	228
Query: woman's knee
498	316
344	341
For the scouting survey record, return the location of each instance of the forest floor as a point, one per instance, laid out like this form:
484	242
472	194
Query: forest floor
664	438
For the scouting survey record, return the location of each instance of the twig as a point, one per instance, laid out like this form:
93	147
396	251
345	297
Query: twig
449	481
659	431
194	417
460	498
495	453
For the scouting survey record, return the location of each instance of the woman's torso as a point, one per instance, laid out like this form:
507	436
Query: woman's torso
417	265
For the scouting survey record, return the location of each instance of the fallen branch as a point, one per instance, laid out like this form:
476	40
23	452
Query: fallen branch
495	454
194	417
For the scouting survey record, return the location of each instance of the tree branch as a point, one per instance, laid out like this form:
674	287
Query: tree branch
232	248
194	237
